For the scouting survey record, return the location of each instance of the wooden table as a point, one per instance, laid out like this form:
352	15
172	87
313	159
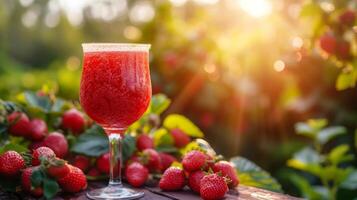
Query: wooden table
154	193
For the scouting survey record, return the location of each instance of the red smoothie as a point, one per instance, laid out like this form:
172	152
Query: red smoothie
115	87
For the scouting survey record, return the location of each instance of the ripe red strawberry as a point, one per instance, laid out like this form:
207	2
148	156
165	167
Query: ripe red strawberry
180	138
194	160
328	43
57	168
102	163
58	143
144	142
151	160
136	174
93	172
343	49
26	182
172	179
41	152
36	144
166	160
226	170
74	121
81	162
20	124
213	187
11	163
38	129
347	17
194	180
74	181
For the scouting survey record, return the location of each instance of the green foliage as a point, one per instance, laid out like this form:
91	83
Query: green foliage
250	174
328	166
93	142
159	103
40	179
178	121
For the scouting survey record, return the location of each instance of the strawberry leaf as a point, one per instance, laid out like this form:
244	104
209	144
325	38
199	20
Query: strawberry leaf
179	121
252	175
93	142
128	147
37	177
159	103
50	188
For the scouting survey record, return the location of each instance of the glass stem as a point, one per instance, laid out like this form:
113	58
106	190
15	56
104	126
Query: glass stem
115	159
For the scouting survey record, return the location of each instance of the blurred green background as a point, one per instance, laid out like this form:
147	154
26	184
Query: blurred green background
244	70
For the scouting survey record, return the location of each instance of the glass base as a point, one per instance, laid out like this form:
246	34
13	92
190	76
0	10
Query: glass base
114	192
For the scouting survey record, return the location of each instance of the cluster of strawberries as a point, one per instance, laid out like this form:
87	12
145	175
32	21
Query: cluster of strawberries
43	160
333	43
206	177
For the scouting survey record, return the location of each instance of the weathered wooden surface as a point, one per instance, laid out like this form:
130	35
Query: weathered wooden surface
154	193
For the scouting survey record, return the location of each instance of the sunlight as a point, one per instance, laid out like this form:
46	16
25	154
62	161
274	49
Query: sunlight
256	8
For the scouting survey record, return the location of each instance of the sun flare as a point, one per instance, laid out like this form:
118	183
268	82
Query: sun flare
256	8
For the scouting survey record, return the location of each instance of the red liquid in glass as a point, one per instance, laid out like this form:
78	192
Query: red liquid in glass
115	87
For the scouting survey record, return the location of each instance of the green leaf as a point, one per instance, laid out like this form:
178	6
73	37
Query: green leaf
13	146
355	143
351	181
327	134
251	174
167	149
306	189
58	105
178	121
307	160
159	103
93	142
317	124
37	177
338	154
302	128
50	188
41	102
162	138
129	147
346	80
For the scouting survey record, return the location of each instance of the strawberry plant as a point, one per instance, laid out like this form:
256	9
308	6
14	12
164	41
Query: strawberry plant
57	148
329	164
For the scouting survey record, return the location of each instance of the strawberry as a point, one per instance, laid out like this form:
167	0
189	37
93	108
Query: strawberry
74	121
93	172
11	163
226	170
58	143
26	182
41	152
38	129
57	168
81	162
151	160
213	187
347	17
74	181
19	124
102	163
180	138
194	180
166	160
136	174
172	179
194	160
36	144
144	142
328	43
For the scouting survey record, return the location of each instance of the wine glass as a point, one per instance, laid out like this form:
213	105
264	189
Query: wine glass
115	91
